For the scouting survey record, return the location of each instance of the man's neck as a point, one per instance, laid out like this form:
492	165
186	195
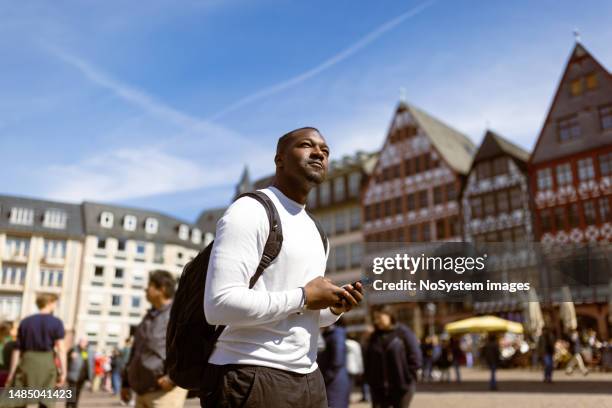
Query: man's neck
161	303
290	191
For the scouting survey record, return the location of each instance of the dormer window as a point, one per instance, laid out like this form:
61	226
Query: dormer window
183	232
129	223
106	219
22	216
55	219
196	236
151	226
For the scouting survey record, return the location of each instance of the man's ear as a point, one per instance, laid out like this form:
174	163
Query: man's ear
278	161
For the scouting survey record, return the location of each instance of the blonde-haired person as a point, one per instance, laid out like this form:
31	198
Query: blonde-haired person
33	363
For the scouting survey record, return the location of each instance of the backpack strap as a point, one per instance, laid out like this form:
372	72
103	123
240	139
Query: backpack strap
321	231
275	237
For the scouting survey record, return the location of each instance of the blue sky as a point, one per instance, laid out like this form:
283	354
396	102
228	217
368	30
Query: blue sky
160	104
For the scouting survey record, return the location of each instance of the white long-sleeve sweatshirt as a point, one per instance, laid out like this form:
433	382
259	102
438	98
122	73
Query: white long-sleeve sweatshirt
265	325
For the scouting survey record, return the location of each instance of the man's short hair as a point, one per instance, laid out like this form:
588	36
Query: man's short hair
385	309
45	299
163	280
284	139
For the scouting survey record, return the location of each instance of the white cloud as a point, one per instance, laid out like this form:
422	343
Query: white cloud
128	173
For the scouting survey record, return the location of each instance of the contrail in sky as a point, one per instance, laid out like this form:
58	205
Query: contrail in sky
341	56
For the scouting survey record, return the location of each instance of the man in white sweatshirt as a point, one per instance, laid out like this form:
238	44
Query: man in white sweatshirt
266	356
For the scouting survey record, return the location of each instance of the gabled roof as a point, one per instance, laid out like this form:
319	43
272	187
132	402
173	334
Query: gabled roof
493	144
580	62
456	148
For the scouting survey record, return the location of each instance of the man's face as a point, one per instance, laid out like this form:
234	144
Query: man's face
152	293
305	157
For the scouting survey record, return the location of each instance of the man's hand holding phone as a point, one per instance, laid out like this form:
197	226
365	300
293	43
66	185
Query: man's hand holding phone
321	293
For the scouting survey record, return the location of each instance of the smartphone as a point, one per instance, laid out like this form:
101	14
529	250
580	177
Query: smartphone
365	282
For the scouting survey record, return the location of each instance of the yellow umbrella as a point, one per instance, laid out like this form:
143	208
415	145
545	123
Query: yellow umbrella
482	324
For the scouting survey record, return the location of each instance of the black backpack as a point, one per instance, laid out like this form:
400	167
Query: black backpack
190	339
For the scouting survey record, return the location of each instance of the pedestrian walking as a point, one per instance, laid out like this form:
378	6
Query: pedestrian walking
354	366
80	368
546	349
491	356
445	360
7	343
98	371
456	356
332	362
145	372
117	367
575	346
392	359
266	355
39	338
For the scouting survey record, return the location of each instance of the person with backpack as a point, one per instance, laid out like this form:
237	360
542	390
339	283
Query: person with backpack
265	288
146	372
392	359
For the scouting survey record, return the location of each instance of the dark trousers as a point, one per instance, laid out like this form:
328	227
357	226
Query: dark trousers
393	399
78	386
548	367
231	386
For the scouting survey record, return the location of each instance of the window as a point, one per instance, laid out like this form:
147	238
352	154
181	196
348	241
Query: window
604	210
545	221
158	255
489	204
500	166
354	184
576	87
130	222
356	254
545	179
183	232
22	216
437	195
355	218
116	300
451	192
339	189
16	247
605	116
12	275
398	205
151	225
585	169
340	221
99	271
483	171
141	248
121	244
196	236
410	204
326	224
324	193
440	229
106	219
476	207
387	208
569	129
502	201
426	232
55	249
101	243
135	302
119	273
590	217
454	225
409	167
423	200
564	174
50	278
340	257
413	231
605	164
516	198
591	81
559	213
55	219
574	216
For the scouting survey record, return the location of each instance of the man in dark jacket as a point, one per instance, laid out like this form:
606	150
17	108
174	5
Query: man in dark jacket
80	368
332	363
546	349
490	353
146	369
393	356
